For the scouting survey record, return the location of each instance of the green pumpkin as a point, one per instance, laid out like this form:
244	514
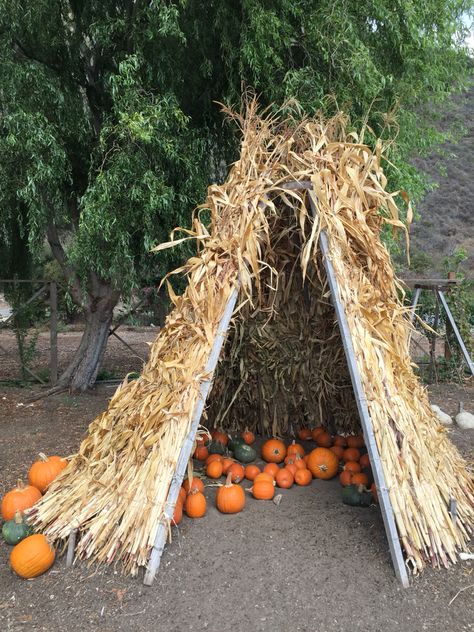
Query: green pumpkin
244	453
216	447
236	441
356	496
16	529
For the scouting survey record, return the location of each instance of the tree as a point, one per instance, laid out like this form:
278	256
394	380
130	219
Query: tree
110	131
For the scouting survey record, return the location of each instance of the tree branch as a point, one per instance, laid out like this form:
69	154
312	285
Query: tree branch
21	49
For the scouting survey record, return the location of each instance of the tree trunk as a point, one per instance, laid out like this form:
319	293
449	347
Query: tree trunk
82	371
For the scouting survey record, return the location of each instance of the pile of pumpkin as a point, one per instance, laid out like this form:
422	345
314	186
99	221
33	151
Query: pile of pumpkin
32	554
234	458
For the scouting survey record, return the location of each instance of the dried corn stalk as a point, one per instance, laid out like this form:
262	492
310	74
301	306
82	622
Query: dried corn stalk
284	360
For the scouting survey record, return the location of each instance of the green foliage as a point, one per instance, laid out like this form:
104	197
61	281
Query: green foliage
110	131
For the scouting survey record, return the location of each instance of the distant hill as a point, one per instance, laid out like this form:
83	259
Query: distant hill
446	220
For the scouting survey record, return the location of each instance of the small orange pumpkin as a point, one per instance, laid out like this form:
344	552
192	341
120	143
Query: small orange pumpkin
181	495
284	478
19	498
178	513
316	431
305	459
60	460
43	472
263	490
195	505
355	441
220	437
230	498
352	466
295	448
251	471
214	469
248	437
273	451
303	477
214	457
226	464
338	451
323	463
271	468
351	454
364	461
237	472
300	463
324	440
32	556
264	476
197	485
340	441
201	453
304	434
345	478
291	467
359	478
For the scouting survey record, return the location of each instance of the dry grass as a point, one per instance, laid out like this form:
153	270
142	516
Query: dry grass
284	360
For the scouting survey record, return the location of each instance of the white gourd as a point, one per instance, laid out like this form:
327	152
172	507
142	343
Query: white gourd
443	417
464	419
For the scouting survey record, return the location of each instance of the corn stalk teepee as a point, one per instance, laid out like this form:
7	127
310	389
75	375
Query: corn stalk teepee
283	361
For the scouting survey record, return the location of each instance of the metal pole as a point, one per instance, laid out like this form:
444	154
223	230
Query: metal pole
416	296
53	333
185	454
456	332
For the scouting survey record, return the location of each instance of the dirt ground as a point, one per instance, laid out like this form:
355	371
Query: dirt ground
309	564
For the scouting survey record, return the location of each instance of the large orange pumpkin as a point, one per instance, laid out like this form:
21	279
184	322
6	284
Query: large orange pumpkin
230	498
32	556
19	498
43	472
273	451
323	463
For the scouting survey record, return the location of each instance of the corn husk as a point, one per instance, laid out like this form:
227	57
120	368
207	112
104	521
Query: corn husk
284	362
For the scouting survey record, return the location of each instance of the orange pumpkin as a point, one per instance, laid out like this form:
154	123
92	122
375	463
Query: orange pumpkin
364	461
340	441
273	451
181	495
264	476
251	471
324	440
355	441
291	467
338	451
359	478
271	468
295	448
32	556
230	498
195	505
300	463
284	478
323	463
226	464
303	477
220	437
201	453
43	472
305	459
59	460
316	431
352	466
304	434
178	513
248	437
197	485
351	454
263	490
19	498
375	495
214	457
214	469
345	478
237	472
